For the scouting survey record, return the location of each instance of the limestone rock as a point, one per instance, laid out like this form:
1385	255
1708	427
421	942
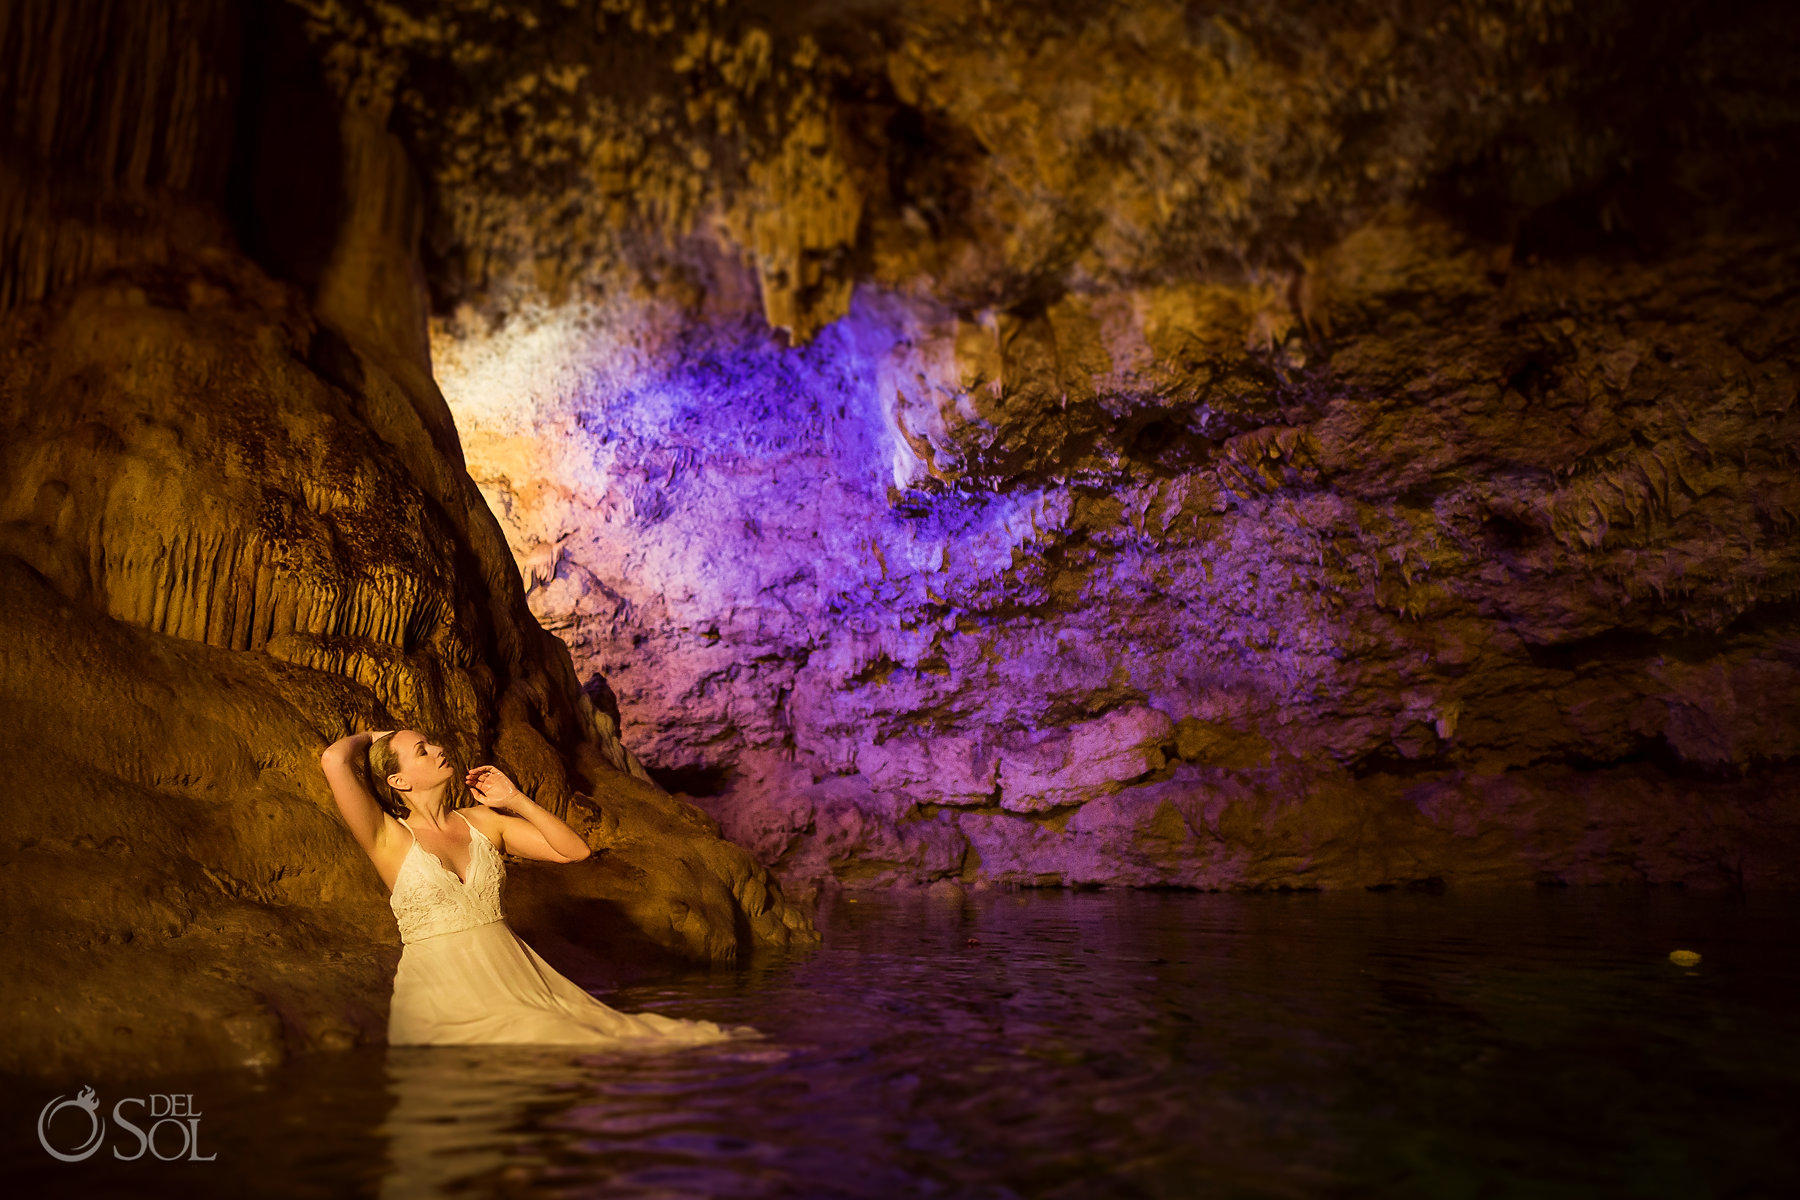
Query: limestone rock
235	524
1269	446
1328	419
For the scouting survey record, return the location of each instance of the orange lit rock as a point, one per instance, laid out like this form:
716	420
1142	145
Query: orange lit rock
234	525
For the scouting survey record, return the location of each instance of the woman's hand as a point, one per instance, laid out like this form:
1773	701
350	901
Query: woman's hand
491	786
531	830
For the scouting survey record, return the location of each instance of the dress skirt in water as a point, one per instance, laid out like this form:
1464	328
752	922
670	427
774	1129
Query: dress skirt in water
466	978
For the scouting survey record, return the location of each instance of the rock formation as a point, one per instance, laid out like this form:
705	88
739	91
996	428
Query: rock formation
235	523
1255	444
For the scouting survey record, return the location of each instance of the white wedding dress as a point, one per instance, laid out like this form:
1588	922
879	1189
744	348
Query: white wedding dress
465	977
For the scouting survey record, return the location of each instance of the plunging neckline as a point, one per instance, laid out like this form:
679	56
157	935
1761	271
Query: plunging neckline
441	865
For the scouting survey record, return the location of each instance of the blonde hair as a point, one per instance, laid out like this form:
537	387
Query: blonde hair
384	760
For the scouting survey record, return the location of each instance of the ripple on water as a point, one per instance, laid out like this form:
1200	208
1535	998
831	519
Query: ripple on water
1097	1044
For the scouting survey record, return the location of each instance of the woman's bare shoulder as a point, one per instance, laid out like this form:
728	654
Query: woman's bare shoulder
485	819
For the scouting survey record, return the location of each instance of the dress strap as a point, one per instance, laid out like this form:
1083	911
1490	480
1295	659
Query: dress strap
476	830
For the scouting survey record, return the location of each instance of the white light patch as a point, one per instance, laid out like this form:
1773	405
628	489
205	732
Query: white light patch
509	380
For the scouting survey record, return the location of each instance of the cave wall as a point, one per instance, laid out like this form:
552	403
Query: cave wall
1255	444
1526	618
235	523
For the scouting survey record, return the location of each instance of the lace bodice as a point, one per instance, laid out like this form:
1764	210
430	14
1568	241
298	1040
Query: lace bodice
429	900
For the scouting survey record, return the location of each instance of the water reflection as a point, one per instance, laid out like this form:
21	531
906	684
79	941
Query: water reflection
455	1113
488	1117
1131	1045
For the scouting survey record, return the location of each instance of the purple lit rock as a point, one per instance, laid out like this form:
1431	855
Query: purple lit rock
1284	446
1413	624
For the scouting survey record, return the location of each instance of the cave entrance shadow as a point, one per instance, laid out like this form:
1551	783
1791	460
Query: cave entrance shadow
591	940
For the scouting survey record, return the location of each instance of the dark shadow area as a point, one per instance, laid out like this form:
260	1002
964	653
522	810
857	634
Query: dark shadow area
590	940
1680	123
285	194
602	697
692	779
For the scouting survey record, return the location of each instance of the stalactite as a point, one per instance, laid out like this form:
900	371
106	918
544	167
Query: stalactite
112	112
224	537
227	590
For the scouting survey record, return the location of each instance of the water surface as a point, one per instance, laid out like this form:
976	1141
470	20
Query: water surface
1507	1043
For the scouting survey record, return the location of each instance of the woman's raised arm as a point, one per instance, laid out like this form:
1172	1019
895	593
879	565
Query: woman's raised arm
361	813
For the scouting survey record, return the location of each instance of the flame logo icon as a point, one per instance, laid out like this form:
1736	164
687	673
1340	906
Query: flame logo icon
88	1102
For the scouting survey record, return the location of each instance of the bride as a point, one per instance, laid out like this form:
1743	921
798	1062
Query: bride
464	975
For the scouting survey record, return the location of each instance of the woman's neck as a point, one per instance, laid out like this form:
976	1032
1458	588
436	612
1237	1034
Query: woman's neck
431	806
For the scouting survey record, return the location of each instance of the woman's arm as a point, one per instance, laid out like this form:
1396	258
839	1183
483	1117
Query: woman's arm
535	832
360	812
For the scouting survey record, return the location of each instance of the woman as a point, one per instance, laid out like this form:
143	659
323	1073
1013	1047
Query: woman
464	975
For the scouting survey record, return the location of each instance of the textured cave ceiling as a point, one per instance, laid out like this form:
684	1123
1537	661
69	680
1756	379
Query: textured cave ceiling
1004	156
1209	444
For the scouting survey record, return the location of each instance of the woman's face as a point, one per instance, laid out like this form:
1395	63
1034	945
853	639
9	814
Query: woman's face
422	765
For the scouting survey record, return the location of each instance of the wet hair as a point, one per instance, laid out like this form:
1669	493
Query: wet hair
384	760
